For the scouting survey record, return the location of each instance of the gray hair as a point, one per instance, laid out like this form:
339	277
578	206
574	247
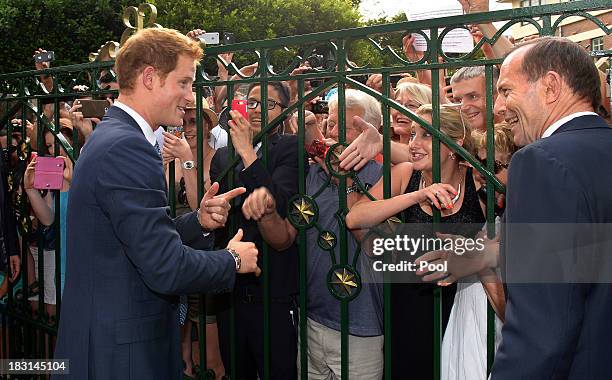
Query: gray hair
471	72
358	99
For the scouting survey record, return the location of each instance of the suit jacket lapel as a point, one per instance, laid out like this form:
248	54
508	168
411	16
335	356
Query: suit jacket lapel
117	113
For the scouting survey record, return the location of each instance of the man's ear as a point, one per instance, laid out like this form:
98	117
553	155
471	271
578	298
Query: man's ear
552	84
148	77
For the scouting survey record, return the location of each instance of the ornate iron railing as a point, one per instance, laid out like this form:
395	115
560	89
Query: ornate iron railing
22	96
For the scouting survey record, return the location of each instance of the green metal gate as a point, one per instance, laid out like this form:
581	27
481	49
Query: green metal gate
22	97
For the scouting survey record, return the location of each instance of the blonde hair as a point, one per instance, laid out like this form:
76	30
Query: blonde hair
452	124
157	47
503	140
416	91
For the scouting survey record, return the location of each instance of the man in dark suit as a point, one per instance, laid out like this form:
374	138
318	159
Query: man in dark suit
558	316
126	262
279	174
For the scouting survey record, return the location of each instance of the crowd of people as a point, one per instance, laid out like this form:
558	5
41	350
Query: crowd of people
131	277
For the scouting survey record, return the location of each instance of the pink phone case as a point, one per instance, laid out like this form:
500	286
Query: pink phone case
240	106
49	173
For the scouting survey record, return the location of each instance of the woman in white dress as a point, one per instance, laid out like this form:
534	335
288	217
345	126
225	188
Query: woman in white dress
464	346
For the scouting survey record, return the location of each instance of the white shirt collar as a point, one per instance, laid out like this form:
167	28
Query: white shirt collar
557	124
142	123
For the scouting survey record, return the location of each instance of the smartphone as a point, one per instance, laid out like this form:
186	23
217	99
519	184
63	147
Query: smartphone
177	131
209	38
228	38
94	108
240	105
49	173
46	56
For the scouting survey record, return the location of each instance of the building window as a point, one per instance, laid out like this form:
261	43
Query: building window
597	44
530	3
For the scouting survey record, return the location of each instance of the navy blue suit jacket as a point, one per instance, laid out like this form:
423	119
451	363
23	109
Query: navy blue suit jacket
126	262
559	330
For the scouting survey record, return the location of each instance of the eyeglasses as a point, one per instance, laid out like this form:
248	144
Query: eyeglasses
107	78
497	165
271	104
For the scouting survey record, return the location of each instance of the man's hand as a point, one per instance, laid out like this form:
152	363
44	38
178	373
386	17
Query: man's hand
82	124
15	263
363	148
215	208
222	71
175	147
409	50
474	6
68	170
258	204
248	254
28	175
375	82
458	266
194	34
241	134
293	87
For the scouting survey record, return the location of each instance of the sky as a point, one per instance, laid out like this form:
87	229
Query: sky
379	8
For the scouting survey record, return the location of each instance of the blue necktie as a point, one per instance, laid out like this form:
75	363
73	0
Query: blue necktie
156	146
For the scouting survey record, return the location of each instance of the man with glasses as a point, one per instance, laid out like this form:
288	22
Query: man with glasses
276	168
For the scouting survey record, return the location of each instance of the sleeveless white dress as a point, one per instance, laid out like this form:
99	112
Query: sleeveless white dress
464	345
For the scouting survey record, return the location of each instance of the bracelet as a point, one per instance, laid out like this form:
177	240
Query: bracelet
354	188
236	257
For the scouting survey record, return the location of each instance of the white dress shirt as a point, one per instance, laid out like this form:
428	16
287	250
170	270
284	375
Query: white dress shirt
557	124
142	123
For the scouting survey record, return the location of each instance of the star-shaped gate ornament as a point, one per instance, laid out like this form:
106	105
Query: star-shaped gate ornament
327	240
333	160
303	210
345	281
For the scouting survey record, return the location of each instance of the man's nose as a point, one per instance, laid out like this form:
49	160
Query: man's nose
499	108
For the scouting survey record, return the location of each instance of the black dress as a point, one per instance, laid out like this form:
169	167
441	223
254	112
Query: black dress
412	304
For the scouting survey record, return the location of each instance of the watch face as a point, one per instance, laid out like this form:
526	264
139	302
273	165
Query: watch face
188	165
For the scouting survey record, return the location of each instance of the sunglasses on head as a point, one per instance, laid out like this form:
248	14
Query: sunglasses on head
497	165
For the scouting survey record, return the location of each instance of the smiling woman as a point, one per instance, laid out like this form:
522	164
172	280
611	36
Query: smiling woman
413	196
411	96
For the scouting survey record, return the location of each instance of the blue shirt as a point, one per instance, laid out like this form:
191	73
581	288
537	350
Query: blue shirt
366	310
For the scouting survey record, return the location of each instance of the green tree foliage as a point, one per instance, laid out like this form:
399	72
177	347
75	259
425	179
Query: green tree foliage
74	28
71	28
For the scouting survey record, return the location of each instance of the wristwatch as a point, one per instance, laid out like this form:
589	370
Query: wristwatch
236	256
188	165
